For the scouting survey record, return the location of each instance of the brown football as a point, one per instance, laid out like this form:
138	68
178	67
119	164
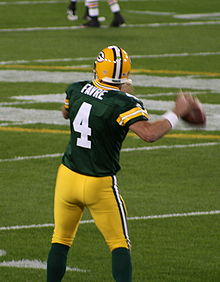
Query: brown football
197	115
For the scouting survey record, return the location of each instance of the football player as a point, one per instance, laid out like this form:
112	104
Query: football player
92	13
101	113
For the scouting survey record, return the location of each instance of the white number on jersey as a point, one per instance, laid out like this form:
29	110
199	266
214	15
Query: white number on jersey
81	125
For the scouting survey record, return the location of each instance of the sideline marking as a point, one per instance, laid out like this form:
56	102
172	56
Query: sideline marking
61	131
153	25
92	58
86	68
150	148
36	264
198	213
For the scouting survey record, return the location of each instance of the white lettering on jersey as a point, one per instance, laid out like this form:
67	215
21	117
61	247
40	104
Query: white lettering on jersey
93	91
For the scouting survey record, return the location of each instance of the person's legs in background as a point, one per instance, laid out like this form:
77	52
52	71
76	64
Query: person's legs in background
118	20
71	11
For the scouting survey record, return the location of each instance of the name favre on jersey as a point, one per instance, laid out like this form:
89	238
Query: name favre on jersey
93	91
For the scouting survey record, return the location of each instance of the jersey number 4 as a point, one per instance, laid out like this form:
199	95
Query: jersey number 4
81	125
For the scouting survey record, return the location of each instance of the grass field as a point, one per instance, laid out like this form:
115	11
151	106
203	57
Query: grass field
171	187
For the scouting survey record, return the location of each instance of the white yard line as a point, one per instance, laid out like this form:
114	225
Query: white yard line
186	214
154	13
175	55
147	95
38	264
153	25
185	82
10	115
151	56
23	158
149	148
197	16
34	264
181	24
213	15
50	60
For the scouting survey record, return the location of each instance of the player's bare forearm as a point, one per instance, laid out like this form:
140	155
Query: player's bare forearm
65	112
151	131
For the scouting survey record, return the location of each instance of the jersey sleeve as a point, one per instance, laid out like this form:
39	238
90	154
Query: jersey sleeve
132	112
73	92
67	100
67	104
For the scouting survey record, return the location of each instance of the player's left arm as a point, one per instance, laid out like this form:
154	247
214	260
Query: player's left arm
65	112
66	107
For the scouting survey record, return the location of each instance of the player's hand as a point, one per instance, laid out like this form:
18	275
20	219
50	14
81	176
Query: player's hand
183	104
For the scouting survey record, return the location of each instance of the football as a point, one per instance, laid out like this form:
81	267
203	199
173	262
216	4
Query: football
197	115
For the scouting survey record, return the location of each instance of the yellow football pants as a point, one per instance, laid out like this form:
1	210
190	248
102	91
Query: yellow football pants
100	195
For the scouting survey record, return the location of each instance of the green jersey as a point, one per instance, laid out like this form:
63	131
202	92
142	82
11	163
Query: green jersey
100	116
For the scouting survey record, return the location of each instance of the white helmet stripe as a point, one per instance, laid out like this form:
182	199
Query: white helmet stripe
112	65
117	62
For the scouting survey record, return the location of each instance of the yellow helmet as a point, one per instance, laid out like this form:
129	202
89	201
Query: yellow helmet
112	65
